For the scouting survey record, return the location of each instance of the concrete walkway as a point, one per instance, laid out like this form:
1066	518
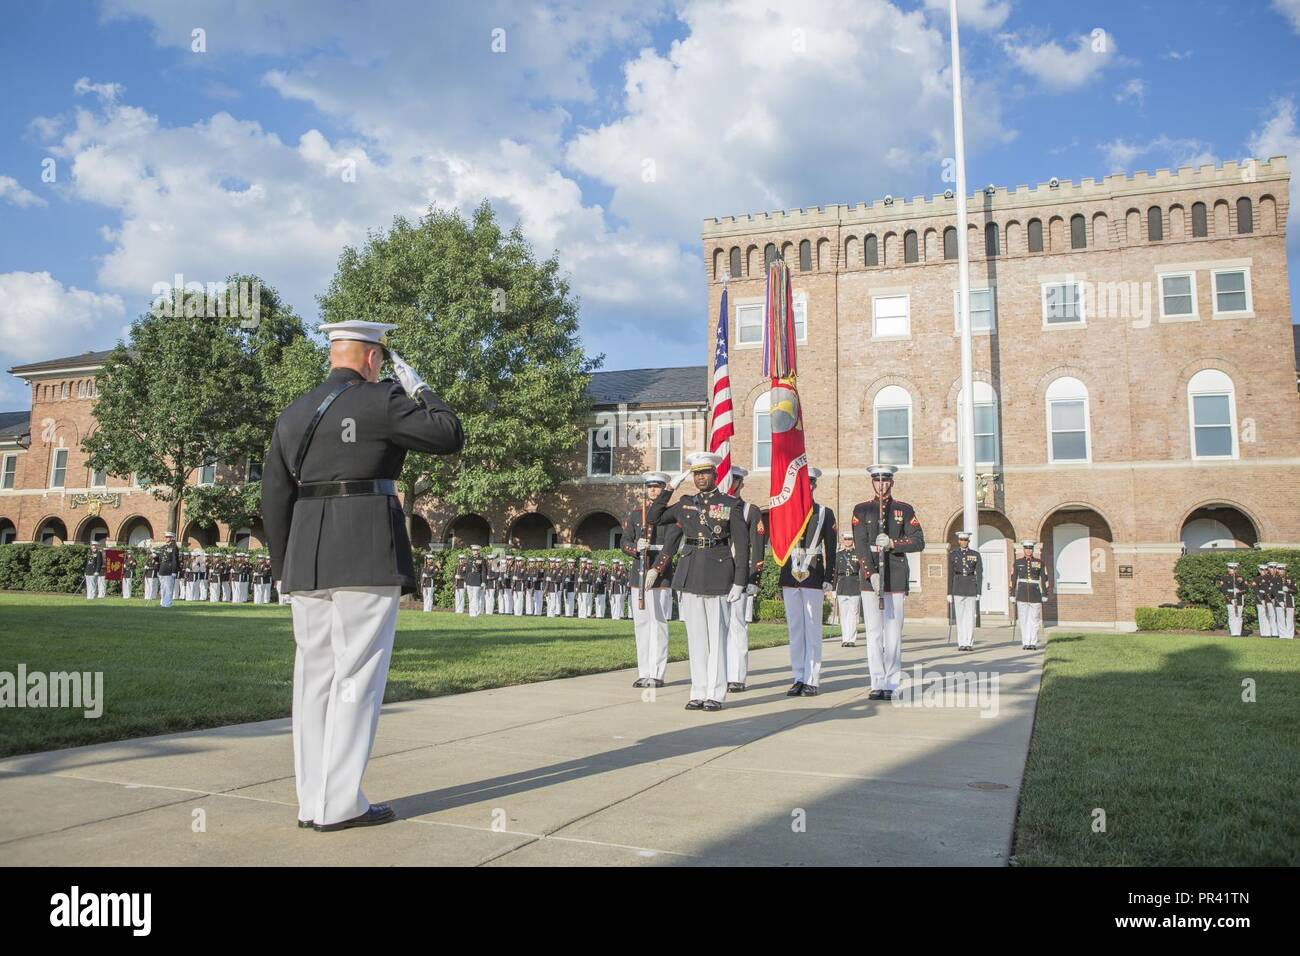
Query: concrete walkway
580	771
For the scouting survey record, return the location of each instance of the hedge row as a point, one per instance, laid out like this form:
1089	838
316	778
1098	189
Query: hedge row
1196	574
1174	619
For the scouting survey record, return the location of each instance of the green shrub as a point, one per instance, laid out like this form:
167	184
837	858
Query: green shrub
1197	572
15	560
1175	619
770	609
57	569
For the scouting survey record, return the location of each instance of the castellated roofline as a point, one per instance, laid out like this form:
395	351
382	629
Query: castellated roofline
1232	172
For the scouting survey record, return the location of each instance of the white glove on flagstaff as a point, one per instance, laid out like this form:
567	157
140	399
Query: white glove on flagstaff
650	577
883	541
735	594
751	589
642	545
676	482
410	379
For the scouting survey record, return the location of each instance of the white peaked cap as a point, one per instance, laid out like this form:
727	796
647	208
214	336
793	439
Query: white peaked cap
738	472
814	473
703	460
357	330
655	478
1028	544
882	471
963	534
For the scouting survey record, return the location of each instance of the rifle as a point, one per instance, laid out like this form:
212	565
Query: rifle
884	560
645	559
952	611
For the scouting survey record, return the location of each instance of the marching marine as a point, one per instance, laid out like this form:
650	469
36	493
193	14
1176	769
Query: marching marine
965	582
1029	592
807	577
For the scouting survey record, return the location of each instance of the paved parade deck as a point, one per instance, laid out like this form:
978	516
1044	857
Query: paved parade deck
577	771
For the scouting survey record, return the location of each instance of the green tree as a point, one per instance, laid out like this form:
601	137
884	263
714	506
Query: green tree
197	383
494	331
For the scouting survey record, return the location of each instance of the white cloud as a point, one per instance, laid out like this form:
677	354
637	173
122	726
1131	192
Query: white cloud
1291	10
1177	55
1060	69
1135	90
1279	136
980	14
1122	155
108	92
40	318
13	193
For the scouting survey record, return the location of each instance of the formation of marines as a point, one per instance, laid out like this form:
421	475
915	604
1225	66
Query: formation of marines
1272	590
514	584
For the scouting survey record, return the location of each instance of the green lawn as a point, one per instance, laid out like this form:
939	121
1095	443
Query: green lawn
1153	730
202	665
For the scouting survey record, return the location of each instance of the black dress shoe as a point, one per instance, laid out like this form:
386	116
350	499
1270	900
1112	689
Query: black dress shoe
306	824
657	682
795	689
377	814
809	690
640	682
876	695
735	687
712	705
886	695
695	705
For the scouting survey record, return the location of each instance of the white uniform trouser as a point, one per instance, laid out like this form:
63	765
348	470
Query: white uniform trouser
91	588
884	638
538	595
706	618
552	603
489	600
803	621
284	598
126	587
749	608
1235	613
227	591
474	597
150	588
241	592
518	603
963	612
651	629
570	602
1262	616
506	601
616	607
737	642
600	605
101	585
460	600
1029	614
344	639
850	607
1286	622
167	584
428	599
584	604
214	590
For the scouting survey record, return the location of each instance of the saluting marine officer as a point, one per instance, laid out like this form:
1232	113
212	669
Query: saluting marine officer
708	527
1029	590
1233	588
169	562
329	479
651	605
807	576
885	532
965	580
94	571
848	590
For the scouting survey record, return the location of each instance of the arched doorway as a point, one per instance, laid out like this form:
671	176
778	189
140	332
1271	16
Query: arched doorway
1215	526
533	531
468	530
599	531
51	531
421	533
8	531
135	531
995	544
1076	547
198	537
93	529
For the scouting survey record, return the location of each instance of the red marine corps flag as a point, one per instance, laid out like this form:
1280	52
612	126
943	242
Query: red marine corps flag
791	504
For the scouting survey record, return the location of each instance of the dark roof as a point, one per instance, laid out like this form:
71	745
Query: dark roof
69	361
14	424
651	386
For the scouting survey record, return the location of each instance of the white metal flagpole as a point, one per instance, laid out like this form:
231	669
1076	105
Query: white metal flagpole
966	408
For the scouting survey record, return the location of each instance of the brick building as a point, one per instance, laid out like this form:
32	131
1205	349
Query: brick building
1135	376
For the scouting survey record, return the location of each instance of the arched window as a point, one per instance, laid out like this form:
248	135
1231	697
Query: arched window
805	256
1211	405
909	246
1155	225
950	243
991	239
871	251
1035	235
1078	232
1245	217
1199	228
81	390
735	262
769	253
1067	421
762	433
986	425
893	432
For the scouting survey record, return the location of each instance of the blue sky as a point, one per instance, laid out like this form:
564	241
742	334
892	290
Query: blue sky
607	130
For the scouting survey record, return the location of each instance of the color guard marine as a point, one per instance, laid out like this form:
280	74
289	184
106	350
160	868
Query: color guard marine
1030	589
1233	587
807	577
965	583
742	611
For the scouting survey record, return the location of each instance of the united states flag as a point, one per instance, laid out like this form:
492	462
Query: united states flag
722	429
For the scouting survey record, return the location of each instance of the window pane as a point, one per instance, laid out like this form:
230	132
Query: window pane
1230	282
892	451
1211	409
871	251
10	468
749	324
763	455
1062	302
1071	563
762	440
891	315
1177	292
1035	235
98	479
1067	416
986	448
800	320
670	460
1069	446
983	419
1216	440
1232	302
891	422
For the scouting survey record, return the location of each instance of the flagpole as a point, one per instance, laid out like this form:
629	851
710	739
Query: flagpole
965	408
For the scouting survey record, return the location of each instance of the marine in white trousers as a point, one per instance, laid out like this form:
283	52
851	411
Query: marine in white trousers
101	585
803	621
227	591
884	637
150	588
1029	615
737	641
214	590
616	606
460	600
344	639
537	602
600	605
167	584
474	596
506	602
241	592
584	605
126	588
518	602
428	598
570	600
489	600
963	612
706	618
1236	612
1286	622
651	628
850	607
92	587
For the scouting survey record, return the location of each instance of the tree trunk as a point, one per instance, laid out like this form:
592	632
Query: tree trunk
174	513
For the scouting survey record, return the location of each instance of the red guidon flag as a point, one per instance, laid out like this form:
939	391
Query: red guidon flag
112	564
791	504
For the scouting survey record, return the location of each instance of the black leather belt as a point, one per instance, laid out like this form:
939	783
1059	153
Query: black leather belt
344	489
707	542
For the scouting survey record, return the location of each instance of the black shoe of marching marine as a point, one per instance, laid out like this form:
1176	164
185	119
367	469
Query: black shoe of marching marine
808	690
656	682
639	682
713	705
795	689
735	688
377	814
306	824
877	695
695	705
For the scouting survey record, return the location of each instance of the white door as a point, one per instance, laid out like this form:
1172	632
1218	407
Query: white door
993	553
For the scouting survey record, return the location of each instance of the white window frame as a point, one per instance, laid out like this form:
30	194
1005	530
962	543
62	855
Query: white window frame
54	468
763	408
757	305
1249	312
5	462
1072	587
1087	426
591	447
660	449
997	423
876	408
907	316
1195	314
992	310
1231	392
1081	321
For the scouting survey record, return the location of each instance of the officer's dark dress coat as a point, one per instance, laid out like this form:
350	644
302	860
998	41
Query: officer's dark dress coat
902	525
707	569
965	572
358	540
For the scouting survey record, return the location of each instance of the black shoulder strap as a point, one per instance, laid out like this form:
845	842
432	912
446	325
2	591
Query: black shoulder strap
305	442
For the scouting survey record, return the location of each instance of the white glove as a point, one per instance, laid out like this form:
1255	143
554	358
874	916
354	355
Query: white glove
883	541
875	582
411	381
827	587
642	545
651	577
676	482
735	594
949	598
751	589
